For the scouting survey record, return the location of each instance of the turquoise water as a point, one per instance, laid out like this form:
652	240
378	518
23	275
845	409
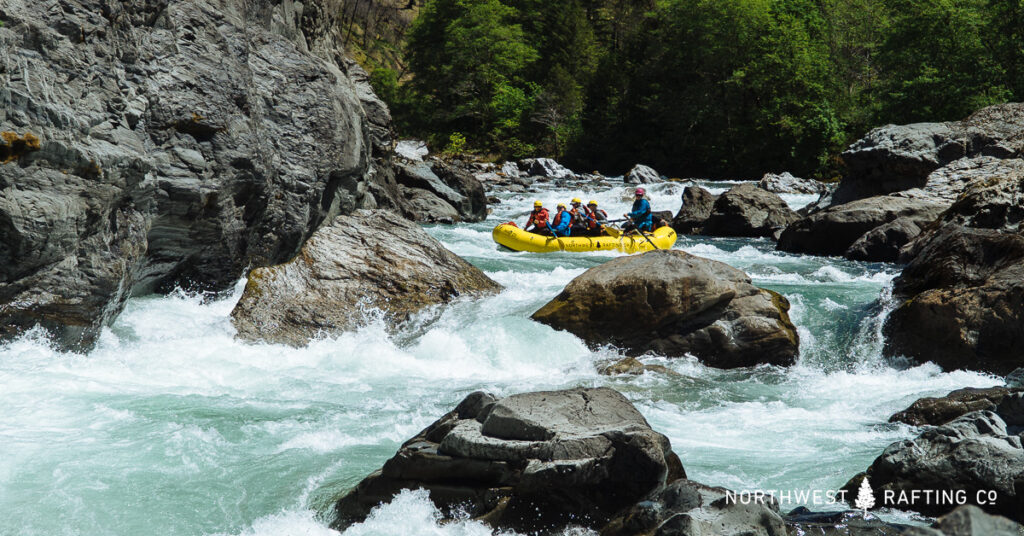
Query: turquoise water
172	427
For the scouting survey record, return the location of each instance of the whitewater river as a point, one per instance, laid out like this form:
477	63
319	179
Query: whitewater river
172	427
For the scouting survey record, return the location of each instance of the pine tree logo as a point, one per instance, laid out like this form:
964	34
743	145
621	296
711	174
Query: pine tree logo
865	497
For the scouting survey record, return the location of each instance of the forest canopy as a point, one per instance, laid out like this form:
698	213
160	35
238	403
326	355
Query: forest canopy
719	88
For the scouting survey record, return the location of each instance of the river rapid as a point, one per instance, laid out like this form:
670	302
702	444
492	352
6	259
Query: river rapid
172	427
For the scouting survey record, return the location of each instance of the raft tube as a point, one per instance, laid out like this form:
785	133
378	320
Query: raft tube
517	239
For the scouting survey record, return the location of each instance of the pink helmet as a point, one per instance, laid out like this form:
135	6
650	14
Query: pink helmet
640	191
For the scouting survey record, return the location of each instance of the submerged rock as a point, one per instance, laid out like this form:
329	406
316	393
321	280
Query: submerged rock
641	174
370	259
975	454
834	230
541	462
941	410
748	211
674	303
697	206
786	183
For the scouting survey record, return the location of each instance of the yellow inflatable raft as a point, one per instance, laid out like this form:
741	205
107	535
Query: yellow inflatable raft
515	238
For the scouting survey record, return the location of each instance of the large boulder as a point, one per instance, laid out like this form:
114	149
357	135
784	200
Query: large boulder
901	157
545	167
786	183
975	459
172	143
697	206
883	243
370	259
541	462
936	411
442	185
641	174
747	210
674	303
834	230
961	299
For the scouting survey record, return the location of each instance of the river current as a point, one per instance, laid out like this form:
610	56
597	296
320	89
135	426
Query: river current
172	427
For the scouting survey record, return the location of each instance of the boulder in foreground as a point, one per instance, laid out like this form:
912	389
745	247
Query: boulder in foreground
541	462
372	259
975	454
674	303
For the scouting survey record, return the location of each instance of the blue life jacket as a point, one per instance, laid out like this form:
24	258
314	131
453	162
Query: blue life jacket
561	223
641	214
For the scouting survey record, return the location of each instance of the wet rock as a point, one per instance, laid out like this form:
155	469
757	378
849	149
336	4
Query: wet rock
545	167
961	297
370	259
510	169
661	217
697	206
901	157
541	462
174	159
1015	379
969	520
676	304
786	183
941	410
749	211
450	185
534	461
883	243
641	174
949	182
458	177
847	523
974	454
413	150
632	366
833	230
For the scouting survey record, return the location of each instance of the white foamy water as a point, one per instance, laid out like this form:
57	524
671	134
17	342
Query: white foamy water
172	426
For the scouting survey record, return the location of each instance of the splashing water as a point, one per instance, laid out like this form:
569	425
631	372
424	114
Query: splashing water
170	425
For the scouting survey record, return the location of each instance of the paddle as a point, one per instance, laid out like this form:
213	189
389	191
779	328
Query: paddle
647	237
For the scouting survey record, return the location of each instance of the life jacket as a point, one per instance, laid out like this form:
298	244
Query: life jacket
558	218
538	218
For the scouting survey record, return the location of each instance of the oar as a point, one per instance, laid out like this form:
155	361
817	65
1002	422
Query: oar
647	237
561	246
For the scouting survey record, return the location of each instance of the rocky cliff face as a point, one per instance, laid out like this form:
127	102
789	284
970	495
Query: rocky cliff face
159	143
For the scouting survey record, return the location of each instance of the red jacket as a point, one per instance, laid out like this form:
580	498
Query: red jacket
538	218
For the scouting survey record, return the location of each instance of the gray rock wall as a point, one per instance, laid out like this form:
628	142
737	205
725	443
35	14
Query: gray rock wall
180	141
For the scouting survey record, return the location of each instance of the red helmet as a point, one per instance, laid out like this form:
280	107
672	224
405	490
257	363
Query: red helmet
640	191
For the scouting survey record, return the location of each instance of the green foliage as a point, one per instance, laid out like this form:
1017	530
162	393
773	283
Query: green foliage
456	143
707	87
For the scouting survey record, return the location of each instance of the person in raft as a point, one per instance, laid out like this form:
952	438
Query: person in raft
640	218
595	218
562	222
580	217
538	219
